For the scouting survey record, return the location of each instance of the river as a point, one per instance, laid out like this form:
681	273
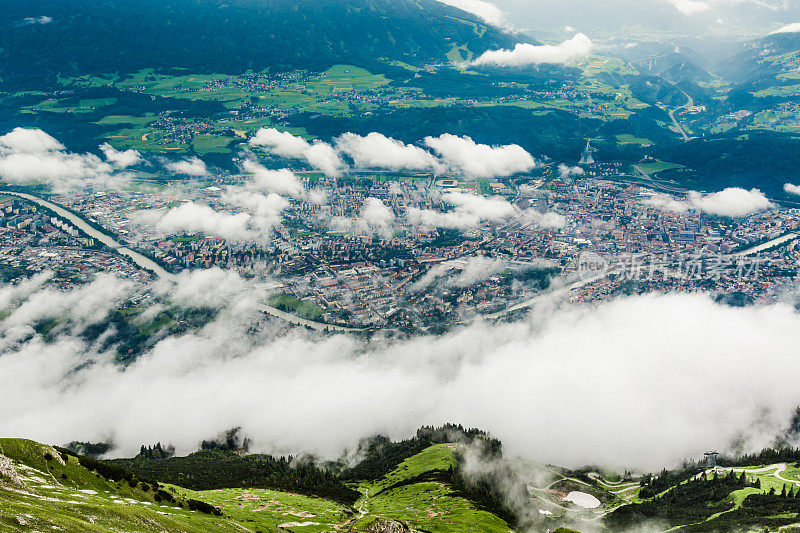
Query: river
148	264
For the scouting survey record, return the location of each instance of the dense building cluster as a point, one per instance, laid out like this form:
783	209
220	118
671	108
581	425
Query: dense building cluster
405	271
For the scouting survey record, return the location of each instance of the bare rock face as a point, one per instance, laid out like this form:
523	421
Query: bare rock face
8	474
389	526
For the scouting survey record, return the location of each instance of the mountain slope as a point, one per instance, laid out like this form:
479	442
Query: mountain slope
760	61
84	36
42	487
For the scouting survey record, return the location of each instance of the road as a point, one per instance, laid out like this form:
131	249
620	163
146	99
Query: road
148	264
778	467
689	104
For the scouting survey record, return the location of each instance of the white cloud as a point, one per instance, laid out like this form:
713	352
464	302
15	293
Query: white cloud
192	217
60	169
693	7
469	211
376	213
689	7
319	155
42	20
72	310
318	196
791	189
29	141
194	166
323	157
250	212
265	210
33	155
281	143
465	156
491	376
249	215
208	287
525	54
281	181
487	11
461	272
547	220
374	217
565	171
789	28
731	202
375	150
121	159
666	203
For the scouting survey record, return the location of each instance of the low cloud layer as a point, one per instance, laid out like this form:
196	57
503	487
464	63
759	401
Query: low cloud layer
375	150
694	7
462	273
549	386
791	188
689	7
319	155
451	154
194	166
32	155
525	54
248	215
789	28
192	217
375	217
281	181
465	156
731	202
469	211
121	158
487	11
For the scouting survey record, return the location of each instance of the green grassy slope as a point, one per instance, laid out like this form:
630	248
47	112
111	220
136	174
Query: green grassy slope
42	488
415	493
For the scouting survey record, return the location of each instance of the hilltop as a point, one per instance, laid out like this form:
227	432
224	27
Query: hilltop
124	36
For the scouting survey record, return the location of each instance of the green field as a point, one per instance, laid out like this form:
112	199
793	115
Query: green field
342	91
627	138
42	491
654	167
301	308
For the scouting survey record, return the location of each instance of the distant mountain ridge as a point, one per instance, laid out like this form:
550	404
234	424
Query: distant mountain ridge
753	64
44	38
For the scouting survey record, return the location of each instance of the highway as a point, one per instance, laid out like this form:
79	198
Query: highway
689	104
